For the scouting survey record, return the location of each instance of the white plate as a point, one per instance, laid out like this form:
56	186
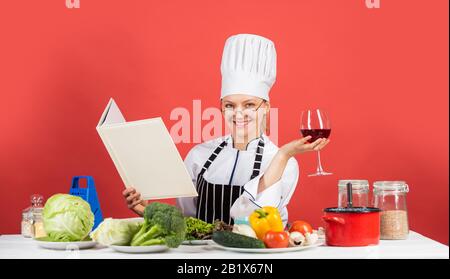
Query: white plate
197	242
268	250
140	249
74	245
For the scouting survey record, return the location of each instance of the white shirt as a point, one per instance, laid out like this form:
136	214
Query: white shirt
277	195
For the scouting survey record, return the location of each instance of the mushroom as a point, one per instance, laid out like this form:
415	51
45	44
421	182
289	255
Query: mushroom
296	239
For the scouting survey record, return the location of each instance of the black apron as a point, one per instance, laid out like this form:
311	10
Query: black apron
215	200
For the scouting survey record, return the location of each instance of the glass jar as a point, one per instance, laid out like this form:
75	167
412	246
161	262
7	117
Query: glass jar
27	223
30	213
38	224
390	197
360	193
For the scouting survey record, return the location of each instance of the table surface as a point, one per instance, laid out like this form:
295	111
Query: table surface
416	246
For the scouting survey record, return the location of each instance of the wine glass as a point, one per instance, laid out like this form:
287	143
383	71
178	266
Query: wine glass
315	123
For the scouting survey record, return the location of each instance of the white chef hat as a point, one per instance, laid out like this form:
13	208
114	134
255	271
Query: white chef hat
249	66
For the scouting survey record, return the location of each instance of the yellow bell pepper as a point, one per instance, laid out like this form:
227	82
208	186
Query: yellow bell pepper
266	219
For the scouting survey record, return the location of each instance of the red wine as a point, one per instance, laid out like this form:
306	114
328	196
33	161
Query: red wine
316	134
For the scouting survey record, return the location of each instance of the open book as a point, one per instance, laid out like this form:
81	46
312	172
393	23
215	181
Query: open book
145	155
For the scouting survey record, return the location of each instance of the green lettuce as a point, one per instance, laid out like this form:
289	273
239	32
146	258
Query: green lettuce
116	231
197	229
67	218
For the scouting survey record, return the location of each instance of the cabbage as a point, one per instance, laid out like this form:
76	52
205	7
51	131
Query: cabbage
67	218
116	231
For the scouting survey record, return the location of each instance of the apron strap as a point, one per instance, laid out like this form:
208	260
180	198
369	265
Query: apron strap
258	159
213	157
256	165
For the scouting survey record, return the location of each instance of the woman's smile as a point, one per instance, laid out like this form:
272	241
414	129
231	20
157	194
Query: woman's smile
241	123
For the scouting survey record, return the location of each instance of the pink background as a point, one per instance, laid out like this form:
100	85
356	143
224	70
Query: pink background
382	75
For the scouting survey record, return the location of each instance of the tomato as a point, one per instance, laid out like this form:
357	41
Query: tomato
276	239
301	227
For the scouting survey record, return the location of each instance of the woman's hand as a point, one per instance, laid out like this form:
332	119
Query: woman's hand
276	167
134	200
301	146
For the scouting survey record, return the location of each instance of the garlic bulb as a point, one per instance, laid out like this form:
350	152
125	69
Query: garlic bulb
244	230
311	238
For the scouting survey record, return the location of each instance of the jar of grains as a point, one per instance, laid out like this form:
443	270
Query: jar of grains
390	197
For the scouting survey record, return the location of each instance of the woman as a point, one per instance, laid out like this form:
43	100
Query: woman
243	171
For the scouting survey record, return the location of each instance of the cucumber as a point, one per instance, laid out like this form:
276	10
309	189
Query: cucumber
231	239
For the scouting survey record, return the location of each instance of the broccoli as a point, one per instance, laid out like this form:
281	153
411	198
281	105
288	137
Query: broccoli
164	224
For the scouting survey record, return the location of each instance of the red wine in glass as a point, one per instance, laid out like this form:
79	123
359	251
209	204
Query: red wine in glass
316	134
315	123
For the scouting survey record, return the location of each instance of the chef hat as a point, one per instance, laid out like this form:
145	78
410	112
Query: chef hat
249	66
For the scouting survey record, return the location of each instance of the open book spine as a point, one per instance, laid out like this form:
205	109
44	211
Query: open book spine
114	158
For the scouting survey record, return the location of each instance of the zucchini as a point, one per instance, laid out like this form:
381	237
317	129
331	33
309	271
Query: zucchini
231	239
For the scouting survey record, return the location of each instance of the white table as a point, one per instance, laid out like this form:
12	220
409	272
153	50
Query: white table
416	246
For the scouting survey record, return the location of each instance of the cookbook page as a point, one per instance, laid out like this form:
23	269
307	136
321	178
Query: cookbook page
147	159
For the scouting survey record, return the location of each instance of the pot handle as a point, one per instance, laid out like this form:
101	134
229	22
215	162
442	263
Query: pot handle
334	219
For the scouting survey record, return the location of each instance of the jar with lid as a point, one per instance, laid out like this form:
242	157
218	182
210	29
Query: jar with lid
30	214
38	224
360	193
390	197
27	223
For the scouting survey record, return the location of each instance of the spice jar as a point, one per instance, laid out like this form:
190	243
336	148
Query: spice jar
390	197
38	224
360	193
27	223
31	213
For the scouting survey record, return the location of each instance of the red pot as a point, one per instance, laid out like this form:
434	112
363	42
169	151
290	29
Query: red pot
352	226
